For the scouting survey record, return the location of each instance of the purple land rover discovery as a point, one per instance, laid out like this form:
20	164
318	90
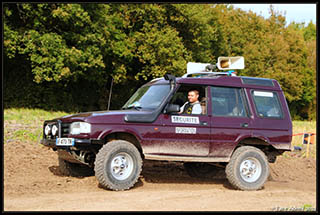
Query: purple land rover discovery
244	124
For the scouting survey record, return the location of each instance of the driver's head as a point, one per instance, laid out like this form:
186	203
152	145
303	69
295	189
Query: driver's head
193	96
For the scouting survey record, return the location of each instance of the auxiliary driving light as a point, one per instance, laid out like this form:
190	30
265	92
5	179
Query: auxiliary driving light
54	130
47	130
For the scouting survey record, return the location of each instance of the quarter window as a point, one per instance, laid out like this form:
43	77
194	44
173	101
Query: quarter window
227	101
267	104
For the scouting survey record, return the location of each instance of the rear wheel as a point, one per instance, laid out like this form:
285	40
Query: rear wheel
248	168
118	165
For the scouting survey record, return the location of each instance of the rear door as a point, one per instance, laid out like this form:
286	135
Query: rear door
271	120
230	121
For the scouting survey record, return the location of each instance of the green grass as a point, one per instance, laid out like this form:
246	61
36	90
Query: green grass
22	124
301	127
308	207
29	116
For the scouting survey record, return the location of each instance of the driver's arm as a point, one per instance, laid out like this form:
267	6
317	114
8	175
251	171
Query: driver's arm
181	109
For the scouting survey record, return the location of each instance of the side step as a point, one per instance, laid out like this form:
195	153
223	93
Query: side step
186	158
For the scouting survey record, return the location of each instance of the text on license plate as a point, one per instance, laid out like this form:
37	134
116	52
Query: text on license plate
65	141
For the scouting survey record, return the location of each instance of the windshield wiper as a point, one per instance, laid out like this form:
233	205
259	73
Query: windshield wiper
135	107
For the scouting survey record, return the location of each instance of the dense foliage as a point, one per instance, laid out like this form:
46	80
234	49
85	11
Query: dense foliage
64	56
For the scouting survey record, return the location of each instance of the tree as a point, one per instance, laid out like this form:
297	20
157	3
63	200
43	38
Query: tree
72	52
271	50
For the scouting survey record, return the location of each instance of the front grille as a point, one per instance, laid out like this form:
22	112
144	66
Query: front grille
63	129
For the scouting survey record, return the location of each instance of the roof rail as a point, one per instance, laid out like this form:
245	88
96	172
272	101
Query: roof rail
210	70
201	74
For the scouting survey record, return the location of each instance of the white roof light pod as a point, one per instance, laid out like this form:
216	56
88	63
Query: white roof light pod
229	63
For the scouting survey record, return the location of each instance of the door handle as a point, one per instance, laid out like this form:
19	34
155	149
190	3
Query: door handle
203	123
244	125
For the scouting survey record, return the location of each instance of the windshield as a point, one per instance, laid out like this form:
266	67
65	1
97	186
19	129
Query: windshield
148	97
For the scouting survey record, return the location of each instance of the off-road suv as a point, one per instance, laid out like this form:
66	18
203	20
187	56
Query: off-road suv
245	124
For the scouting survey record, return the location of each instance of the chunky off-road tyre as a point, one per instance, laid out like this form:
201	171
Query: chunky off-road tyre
248	168
72	169
118	165
203	170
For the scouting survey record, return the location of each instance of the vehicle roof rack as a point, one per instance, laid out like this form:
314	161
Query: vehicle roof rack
211	70
203	75
208	74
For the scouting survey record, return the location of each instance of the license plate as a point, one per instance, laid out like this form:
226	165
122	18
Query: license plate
65	141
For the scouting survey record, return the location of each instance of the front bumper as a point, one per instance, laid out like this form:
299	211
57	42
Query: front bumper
77	143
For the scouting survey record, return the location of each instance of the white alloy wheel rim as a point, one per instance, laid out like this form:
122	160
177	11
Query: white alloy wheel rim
121	166
250	170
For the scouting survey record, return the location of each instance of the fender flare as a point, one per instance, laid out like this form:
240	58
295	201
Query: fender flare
120	130
256	136
259	137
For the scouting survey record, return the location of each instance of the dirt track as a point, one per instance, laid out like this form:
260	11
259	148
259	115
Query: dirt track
32	182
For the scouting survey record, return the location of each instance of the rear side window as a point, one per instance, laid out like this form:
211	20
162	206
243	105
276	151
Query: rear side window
257	81
267	104
227	101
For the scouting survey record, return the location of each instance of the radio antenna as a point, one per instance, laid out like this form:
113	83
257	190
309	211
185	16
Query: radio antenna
110	93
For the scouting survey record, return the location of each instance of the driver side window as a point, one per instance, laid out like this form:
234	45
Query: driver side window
181	98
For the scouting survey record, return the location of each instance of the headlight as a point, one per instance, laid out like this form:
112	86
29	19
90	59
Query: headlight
54	130
47	130
80	127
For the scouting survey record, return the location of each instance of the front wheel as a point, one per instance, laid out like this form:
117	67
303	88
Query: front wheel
118	165
248	168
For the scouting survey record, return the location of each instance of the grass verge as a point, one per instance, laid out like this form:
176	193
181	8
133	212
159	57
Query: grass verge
22	124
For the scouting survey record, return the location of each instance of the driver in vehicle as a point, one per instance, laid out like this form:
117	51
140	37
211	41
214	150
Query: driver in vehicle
193	105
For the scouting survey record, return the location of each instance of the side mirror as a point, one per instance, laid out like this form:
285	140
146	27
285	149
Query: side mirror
171	108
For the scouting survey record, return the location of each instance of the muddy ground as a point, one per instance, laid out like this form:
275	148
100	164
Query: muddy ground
32	182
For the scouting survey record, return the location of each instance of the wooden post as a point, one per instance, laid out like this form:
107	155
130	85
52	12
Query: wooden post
304	131
308	145
303	146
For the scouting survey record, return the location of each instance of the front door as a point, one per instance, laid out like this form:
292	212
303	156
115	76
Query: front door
186	134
